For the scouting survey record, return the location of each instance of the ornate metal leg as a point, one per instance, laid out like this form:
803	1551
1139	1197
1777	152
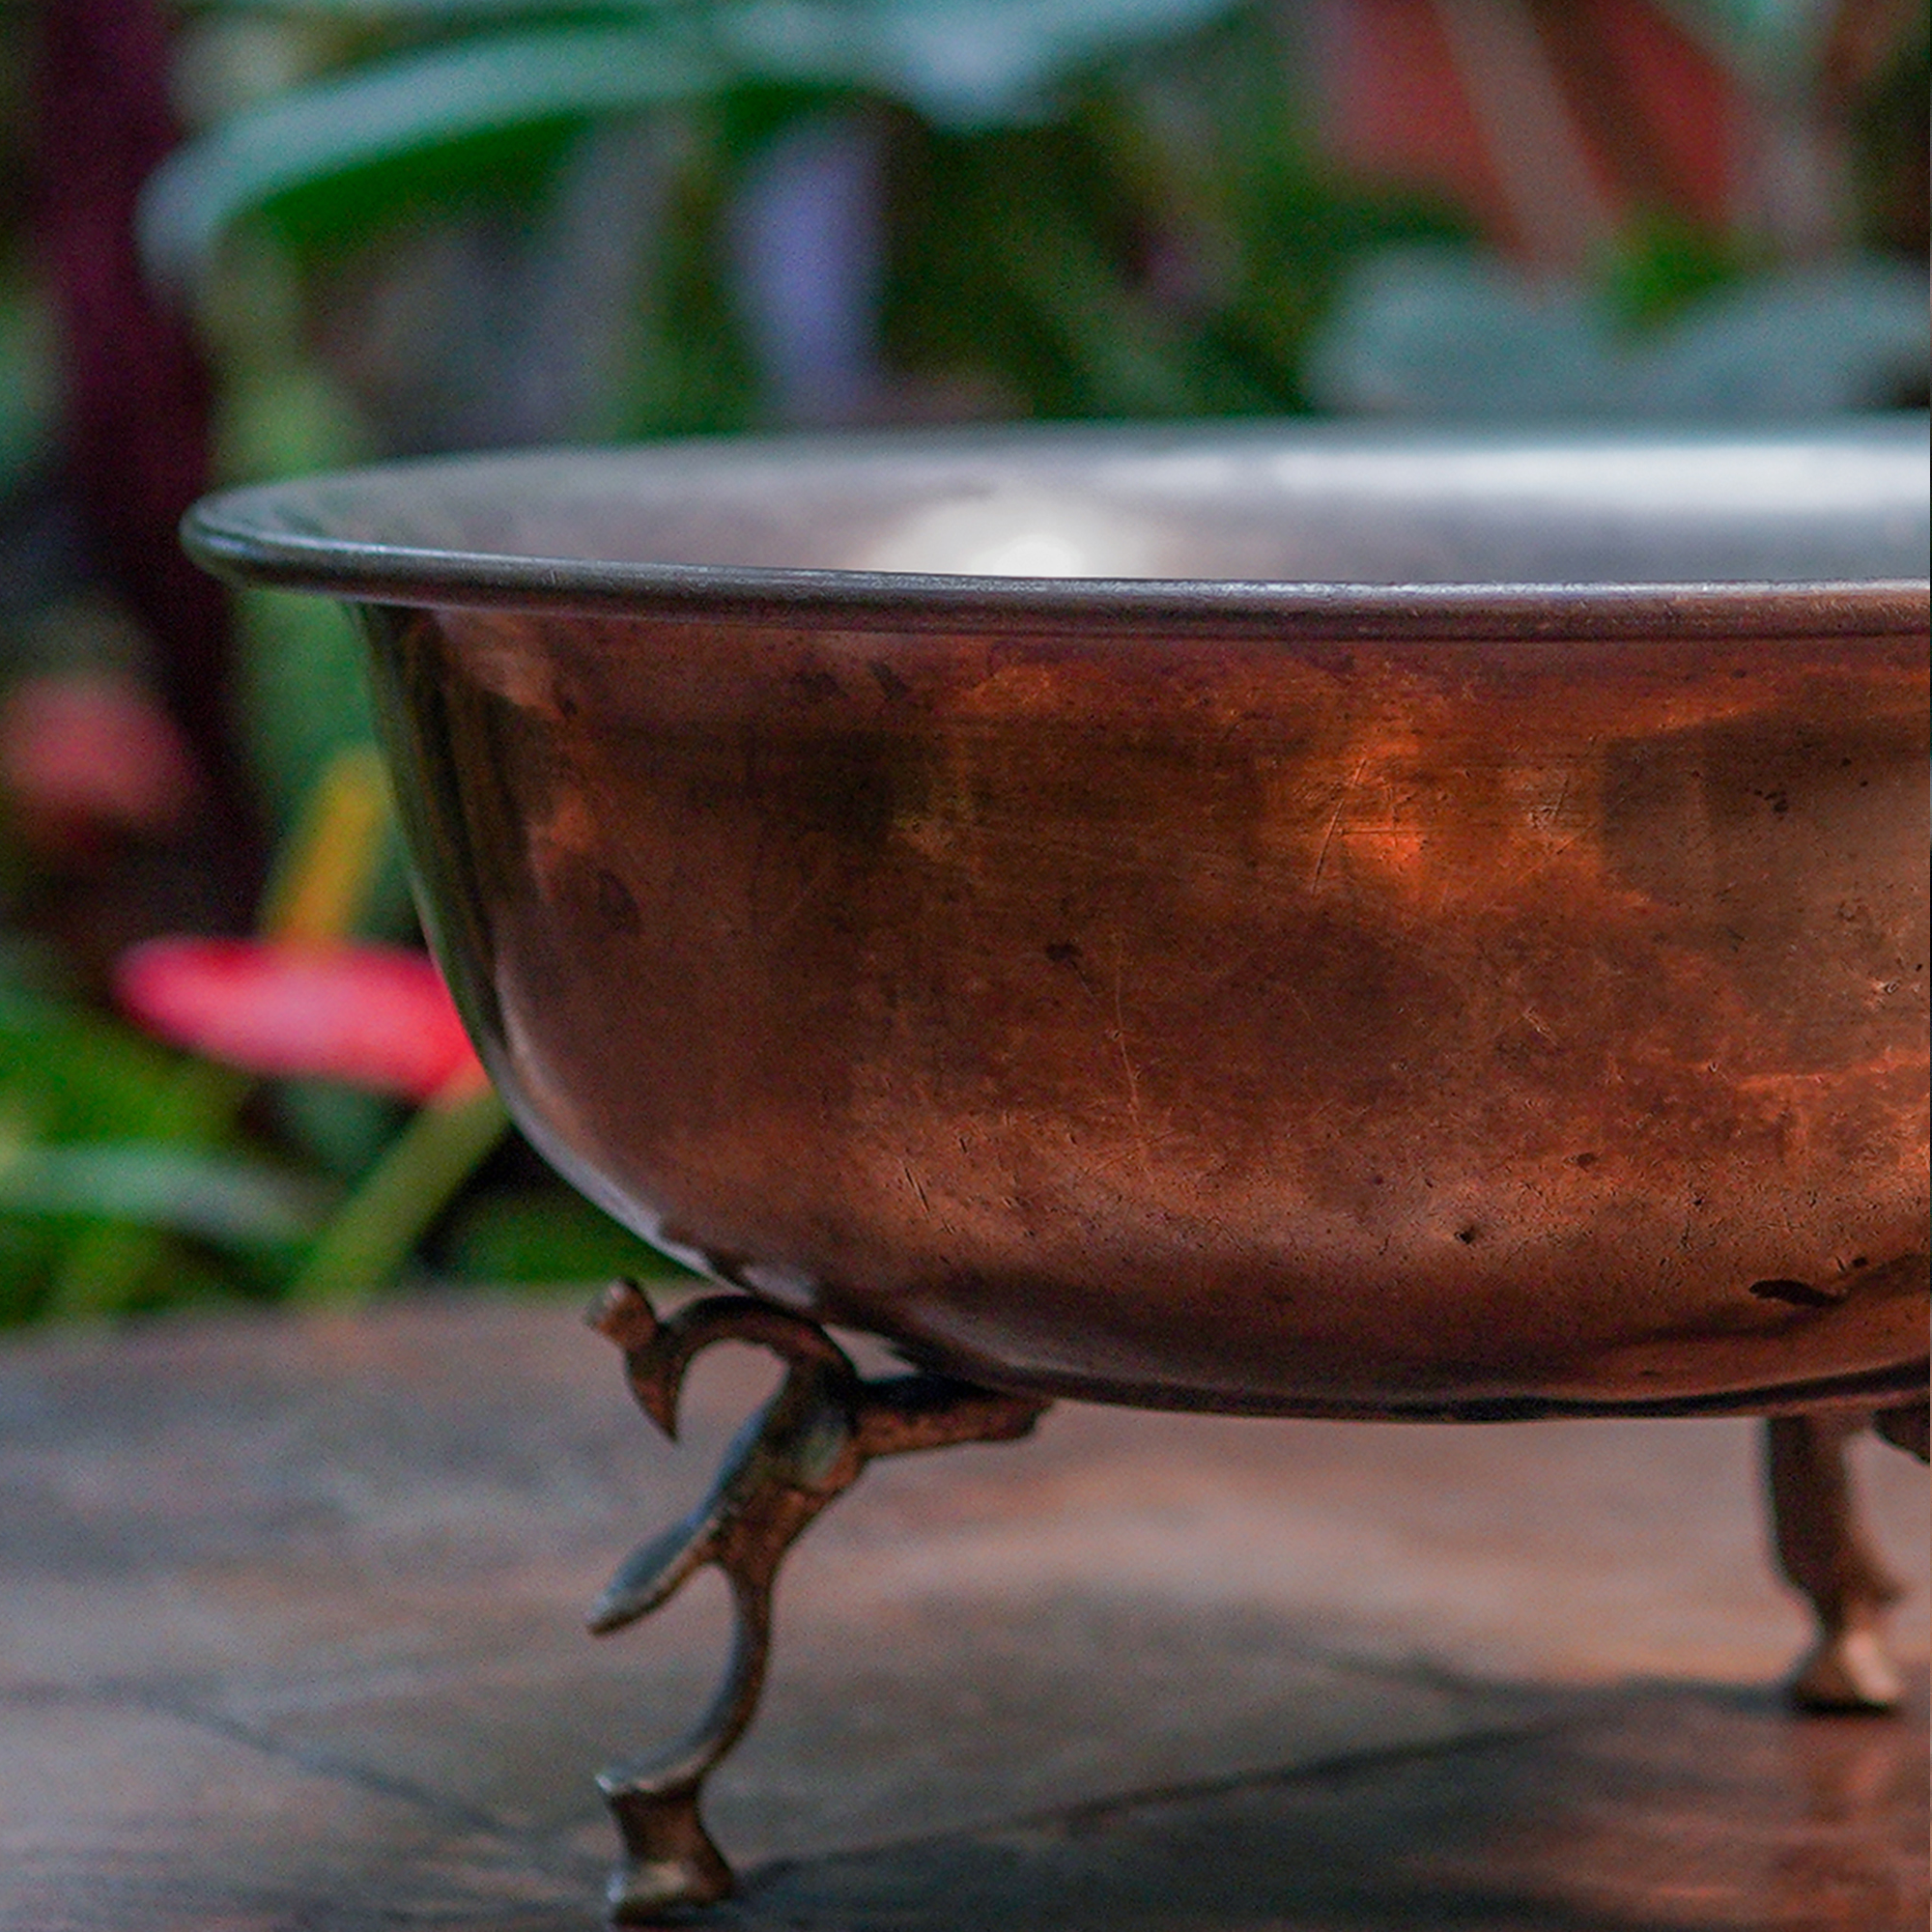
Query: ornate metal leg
807	1446
1823	1549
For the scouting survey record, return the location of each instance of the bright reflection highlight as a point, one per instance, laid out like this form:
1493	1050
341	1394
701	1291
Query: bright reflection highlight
1013	536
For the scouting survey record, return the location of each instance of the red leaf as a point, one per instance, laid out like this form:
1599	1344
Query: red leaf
372	1016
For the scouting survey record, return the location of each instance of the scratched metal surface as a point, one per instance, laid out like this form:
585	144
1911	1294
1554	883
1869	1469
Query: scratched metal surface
1490	995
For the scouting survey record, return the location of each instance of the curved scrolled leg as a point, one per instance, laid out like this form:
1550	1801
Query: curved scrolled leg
807	1446
1822	1547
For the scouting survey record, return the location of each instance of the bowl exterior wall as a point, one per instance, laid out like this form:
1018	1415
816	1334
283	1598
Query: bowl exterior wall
1426	1026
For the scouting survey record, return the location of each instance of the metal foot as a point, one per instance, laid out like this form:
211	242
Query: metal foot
807	1446
1823	1550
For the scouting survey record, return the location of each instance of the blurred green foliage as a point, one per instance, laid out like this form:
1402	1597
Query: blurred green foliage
123	1183
1665	266
1051	173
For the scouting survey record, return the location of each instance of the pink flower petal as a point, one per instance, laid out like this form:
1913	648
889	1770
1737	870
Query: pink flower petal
373	1016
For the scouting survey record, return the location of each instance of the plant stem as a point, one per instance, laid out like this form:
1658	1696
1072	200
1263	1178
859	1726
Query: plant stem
322	877
370	1238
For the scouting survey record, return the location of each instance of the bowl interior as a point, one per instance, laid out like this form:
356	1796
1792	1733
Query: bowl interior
1305	504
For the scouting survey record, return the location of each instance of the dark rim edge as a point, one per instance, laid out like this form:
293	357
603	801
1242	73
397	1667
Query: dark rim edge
862	600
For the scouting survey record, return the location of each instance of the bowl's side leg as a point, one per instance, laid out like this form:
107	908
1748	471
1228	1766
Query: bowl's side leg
806	1447
1823	1549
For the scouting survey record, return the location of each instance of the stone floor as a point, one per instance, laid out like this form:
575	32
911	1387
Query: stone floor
290	1640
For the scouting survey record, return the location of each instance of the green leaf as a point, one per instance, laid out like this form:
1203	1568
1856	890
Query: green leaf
69	1077
411	101
75	1077
1427	333
960	63
545	1237
1776	39
340	1128
1661	265
452	12
224	1199
27	1252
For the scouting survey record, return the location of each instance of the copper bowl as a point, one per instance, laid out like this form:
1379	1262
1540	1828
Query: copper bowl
1267	918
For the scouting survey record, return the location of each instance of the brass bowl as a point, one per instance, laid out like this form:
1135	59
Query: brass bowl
1267	918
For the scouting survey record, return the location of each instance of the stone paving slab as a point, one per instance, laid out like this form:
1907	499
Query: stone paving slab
291	1636
118	1817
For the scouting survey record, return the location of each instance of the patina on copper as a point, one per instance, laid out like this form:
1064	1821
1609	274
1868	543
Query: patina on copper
1257	920
1450	998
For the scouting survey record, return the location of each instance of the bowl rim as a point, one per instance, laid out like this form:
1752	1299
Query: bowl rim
252	535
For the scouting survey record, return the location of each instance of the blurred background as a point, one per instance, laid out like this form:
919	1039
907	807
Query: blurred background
241	239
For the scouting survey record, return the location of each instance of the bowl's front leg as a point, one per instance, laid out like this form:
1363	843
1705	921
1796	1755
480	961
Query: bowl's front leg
1823	1549
806	1447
